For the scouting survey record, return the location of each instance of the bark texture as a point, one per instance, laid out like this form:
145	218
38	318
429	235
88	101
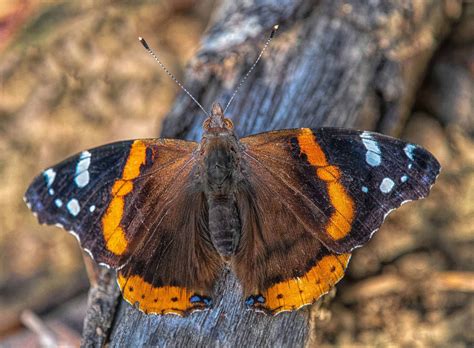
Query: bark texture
349	63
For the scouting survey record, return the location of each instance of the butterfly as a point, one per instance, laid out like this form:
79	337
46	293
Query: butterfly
283	210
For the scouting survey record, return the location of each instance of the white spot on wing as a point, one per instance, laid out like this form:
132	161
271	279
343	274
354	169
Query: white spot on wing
373	155
409	151
73	207
58	202
92	208
51	192
82	173
404	178
365	189
386	185
49	176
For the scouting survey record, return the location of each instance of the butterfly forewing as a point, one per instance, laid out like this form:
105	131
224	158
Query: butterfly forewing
380	173
76	193
341	183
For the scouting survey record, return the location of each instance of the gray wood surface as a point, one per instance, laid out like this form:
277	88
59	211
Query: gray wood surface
332	63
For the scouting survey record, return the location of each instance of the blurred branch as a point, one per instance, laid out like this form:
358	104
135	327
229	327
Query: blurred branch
101	304
46	337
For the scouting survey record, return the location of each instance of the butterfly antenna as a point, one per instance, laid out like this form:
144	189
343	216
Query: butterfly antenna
272	34
145	44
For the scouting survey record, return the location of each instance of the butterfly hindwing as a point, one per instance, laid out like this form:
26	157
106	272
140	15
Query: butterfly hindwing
173	271
280	264
134	206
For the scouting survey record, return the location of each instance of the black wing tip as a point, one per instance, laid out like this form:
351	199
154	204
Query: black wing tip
33	202
428	164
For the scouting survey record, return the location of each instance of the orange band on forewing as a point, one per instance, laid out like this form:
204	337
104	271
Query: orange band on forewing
339	224
158	300
311	149
114	235
295	293
328	173
113	232
122	188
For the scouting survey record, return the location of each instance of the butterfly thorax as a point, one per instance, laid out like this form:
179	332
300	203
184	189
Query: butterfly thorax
220	151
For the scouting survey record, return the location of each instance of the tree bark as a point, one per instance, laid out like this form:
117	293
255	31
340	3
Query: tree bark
332	63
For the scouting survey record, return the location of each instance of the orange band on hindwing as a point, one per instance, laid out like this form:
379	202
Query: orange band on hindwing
160	300
294	293
114	235
340	221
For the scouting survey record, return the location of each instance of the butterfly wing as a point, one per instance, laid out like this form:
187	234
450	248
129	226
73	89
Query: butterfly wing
135	206
334	185
280	264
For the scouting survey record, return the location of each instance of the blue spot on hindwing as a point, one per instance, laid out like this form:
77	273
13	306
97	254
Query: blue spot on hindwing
58	202
251	300
195	299
404	178
365	189
201	299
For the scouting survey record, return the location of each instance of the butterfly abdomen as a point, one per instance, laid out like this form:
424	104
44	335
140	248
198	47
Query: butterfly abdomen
224	224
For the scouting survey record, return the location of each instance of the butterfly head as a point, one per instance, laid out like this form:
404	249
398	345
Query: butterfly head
216	122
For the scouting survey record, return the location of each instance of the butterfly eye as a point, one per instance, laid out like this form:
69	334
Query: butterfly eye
228	123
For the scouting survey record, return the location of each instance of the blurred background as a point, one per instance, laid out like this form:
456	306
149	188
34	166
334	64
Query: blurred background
73	76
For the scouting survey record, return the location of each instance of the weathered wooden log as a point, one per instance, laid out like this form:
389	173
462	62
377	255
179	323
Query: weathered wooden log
333	63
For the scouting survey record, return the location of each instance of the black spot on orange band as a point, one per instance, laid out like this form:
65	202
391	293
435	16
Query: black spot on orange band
297	292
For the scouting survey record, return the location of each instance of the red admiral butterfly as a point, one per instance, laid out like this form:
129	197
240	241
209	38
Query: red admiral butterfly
284	209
